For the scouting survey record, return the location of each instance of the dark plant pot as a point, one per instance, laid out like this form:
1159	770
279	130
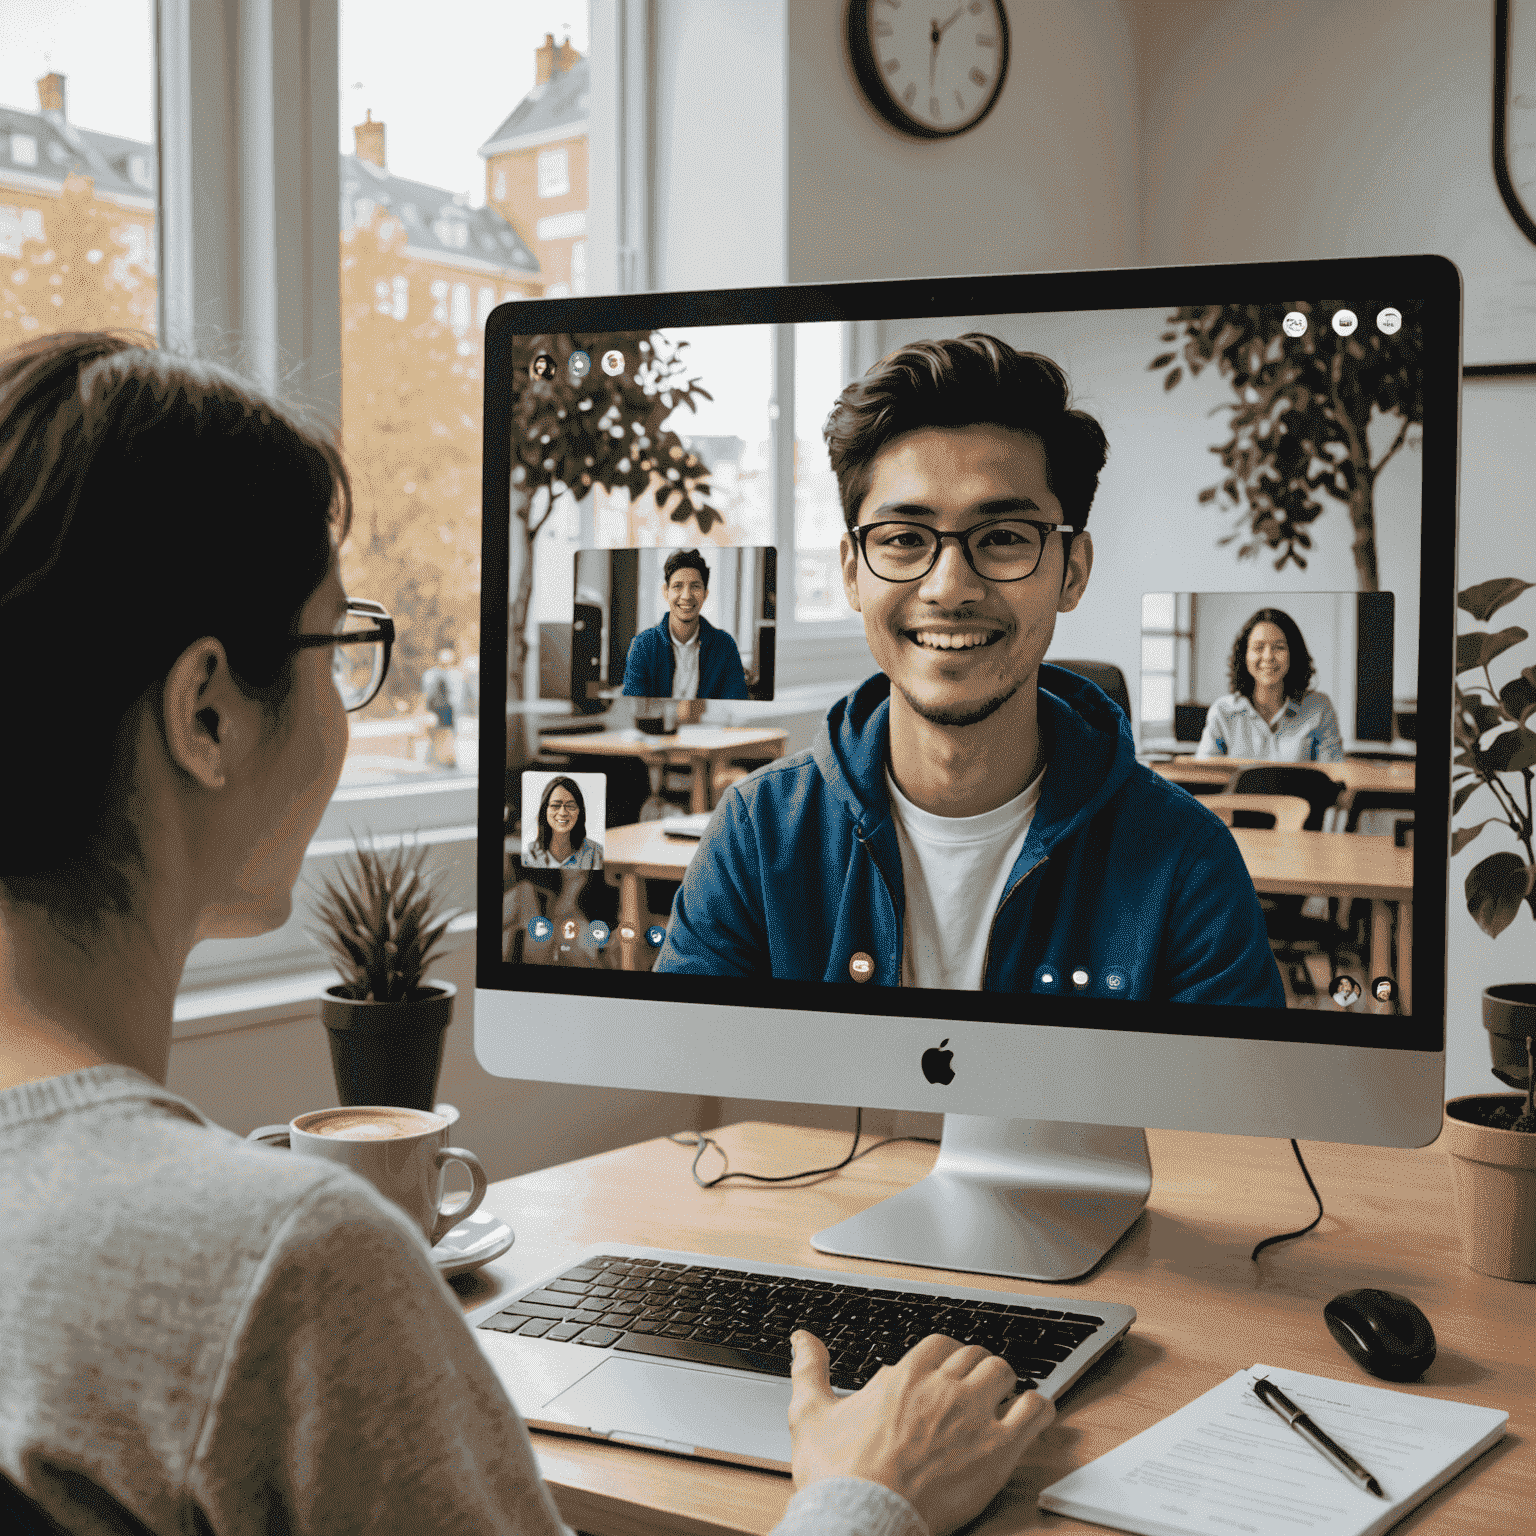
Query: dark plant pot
388	1053
1494	1178
1509	1015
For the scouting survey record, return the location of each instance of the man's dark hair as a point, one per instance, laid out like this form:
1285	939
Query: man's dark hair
970	380
1297	680
146	500
684	560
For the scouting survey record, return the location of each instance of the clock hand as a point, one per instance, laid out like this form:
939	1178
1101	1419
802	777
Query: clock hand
948	24
935	36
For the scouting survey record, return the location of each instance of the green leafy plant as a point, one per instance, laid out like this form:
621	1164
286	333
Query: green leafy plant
383	922
574	434
1301	419
1495	752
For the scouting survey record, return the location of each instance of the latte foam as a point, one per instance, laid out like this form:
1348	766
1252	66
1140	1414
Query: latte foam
373	1124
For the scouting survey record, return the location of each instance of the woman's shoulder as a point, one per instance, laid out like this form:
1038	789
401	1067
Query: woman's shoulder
1227	702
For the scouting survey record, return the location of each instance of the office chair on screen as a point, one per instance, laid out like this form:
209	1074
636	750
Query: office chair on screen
1105	674
1292	934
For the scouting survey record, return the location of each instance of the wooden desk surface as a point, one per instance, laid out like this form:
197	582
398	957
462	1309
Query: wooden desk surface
1281	863
686	742
1326	864
643	848
1352	773
1203	1309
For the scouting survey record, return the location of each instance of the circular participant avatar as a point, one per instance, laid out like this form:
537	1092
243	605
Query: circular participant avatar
655	935
539	929
543	366
1345	991
599	931
1384	989
861	966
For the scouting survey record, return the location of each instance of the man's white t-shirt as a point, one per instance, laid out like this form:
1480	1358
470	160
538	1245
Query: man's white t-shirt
685	672
955	870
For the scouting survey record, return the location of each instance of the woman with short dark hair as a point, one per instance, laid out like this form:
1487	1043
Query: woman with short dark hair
1272	713
197	1332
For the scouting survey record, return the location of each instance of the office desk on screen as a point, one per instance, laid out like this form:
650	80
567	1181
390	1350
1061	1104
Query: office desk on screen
1203	1309
698	748
1353	773
1370	869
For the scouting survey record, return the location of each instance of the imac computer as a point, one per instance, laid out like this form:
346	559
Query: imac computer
990	695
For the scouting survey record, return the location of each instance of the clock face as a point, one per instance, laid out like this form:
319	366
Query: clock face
931	68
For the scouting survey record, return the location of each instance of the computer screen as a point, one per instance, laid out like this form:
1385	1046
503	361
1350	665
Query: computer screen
996	695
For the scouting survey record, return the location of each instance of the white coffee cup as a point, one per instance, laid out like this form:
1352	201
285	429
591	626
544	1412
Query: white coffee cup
401	1152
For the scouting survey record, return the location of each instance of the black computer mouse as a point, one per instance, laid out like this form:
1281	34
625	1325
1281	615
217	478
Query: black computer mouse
1382	1332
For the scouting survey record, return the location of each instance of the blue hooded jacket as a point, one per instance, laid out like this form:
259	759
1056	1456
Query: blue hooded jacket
651	664
1122	874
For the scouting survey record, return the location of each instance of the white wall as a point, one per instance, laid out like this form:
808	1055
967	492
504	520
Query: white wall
719	194
1047	179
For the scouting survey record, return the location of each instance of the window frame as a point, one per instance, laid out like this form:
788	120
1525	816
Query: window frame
249	233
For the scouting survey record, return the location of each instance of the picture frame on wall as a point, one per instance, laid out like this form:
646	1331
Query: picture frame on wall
1500	305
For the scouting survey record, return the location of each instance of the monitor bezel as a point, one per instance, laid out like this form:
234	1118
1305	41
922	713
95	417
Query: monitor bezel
1432	281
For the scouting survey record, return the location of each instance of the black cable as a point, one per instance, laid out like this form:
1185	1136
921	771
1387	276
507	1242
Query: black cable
703	1143
1285	1237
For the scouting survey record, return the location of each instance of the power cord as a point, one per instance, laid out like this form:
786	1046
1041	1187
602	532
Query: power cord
1285	1237
703	1143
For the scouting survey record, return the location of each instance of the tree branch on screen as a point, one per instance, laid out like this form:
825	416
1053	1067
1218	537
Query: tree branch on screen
1301	419
577	433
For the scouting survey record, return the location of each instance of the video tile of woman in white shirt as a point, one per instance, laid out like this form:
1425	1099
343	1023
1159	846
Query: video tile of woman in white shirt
1272	713
561	841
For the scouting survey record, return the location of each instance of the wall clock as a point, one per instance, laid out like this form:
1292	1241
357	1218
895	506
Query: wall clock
932	69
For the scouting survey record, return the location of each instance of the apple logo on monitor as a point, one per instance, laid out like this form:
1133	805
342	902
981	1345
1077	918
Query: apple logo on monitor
936	1063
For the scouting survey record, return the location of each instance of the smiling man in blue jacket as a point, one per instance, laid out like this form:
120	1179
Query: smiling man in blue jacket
971	818
684	656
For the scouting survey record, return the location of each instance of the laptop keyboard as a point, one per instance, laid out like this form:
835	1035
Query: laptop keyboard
734	1317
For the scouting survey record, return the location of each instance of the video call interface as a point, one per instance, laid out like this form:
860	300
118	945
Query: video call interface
1225	812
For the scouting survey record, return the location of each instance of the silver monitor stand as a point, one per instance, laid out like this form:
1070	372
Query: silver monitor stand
1026	1199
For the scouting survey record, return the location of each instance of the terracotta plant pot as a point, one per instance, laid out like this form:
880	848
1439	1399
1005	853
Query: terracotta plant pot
388	1053
1494	1175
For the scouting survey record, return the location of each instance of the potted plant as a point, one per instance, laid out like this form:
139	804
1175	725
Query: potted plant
385	1022
1492	1136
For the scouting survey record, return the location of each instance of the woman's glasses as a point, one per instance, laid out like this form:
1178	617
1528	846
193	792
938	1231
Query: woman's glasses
362	646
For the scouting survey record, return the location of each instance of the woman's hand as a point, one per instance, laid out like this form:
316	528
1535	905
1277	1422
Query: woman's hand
939	1427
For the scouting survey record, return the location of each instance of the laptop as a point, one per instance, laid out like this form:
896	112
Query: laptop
686	1352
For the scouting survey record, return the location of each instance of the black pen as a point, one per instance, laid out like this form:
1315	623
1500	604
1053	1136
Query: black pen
1272	1397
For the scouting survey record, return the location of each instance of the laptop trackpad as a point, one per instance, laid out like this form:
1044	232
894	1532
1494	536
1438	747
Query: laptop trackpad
743	1416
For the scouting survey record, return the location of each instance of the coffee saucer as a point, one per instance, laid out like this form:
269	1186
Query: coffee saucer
475	1241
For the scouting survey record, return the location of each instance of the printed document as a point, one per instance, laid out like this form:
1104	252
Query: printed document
1227	1463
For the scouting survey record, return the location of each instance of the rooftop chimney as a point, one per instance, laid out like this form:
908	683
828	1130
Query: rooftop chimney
553	58
370	140
50	92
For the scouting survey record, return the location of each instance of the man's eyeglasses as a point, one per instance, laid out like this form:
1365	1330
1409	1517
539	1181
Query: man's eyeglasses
362	647
1003	549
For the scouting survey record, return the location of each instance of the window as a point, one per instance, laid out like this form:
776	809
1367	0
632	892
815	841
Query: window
554	172
412	373
78	213
579	267
818	517
1167	626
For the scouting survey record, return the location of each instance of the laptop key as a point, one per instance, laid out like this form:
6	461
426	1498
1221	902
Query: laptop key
532	1309
563	1331
699	1352
535	1327
600	1337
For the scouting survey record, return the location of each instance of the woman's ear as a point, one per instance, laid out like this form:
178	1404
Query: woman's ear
204	712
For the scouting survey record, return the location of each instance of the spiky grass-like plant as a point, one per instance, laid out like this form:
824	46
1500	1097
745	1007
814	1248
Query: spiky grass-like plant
382	923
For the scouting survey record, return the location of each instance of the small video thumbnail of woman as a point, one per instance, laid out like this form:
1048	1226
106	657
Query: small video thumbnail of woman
563	820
